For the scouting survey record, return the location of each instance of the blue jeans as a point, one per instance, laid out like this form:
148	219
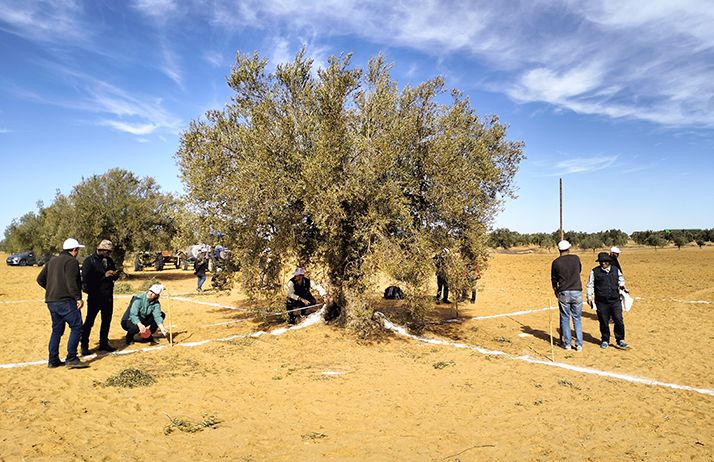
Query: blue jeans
571	305
62	312
201	280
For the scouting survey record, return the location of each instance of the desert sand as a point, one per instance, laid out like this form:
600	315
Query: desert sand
316	393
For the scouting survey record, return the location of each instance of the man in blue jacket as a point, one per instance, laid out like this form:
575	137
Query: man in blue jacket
62	283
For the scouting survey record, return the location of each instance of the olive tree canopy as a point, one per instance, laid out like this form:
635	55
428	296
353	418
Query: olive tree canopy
340	168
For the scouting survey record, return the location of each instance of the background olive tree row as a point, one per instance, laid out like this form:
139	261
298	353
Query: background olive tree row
131	212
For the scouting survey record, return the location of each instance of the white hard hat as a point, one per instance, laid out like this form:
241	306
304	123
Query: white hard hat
157	289
563	245
615	250
299	272
70	244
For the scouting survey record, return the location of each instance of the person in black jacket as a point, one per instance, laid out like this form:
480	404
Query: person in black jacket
63	294
565	279
199	269
98	276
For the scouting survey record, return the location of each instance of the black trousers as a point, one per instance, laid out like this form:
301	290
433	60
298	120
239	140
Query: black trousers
605	310
442	284
96	305
133	329
294	304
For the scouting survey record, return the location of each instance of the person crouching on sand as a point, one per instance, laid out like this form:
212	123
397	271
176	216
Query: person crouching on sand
144	314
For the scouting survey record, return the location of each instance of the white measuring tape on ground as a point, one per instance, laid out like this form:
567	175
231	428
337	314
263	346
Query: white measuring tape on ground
311	320
528	359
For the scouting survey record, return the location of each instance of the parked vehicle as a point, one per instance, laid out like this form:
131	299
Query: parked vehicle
156	259
26	258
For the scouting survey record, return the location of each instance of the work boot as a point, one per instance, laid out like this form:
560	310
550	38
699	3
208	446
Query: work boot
107	348
55	364
84	351
76	364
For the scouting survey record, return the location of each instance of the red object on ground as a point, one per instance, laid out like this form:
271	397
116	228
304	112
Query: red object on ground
146	334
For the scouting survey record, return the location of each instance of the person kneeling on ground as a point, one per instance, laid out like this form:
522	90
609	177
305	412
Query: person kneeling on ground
144	313
299	295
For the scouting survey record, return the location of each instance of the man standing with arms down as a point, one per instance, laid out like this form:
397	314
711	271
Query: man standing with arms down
565	278
62	283
98	276
603	288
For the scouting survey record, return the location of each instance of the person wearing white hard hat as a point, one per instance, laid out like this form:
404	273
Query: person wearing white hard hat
614	254
299	295
565	279
143	316
98	275
62	282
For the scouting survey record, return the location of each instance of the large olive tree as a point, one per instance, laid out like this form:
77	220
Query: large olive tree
340	168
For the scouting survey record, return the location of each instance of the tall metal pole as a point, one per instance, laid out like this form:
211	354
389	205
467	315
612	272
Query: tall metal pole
561	209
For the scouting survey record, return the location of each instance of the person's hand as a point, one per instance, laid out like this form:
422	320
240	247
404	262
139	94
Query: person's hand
304	302
80	304
590	302
163	331
109	273
142	328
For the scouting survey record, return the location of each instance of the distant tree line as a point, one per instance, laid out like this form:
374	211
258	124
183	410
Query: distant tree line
505	238
131	212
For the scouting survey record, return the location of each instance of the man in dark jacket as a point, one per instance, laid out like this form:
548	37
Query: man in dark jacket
61	280
98	276
603	289
199	269
565	279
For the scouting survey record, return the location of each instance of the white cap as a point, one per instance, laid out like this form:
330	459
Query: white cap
563	245
299	272
157	289
615	250
70	244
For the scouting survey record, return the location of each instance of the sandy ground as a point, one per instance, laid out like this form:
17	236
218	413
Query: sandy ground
318	394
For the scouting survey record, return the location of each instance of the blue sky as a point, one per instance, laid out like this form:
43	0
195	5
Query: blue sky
617	100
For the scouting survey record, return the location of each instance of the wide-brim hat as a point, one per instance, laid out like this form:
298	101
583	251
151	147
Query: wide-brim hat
106	244
299	272
156	288
615	250
603	256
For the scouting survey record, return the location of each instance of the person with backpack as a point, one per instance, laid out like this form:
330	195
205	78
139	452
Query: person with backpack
144	316
603	292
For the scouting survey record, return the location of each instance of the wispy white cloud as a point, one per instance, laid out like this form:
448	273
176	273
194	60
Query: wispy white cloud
44	20
651	60
158	10
584	164
133	128
4	130
214	58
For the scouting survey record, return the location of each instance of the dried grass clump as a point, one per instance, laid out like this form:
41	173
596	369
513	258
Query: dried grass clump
130	378
187	426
